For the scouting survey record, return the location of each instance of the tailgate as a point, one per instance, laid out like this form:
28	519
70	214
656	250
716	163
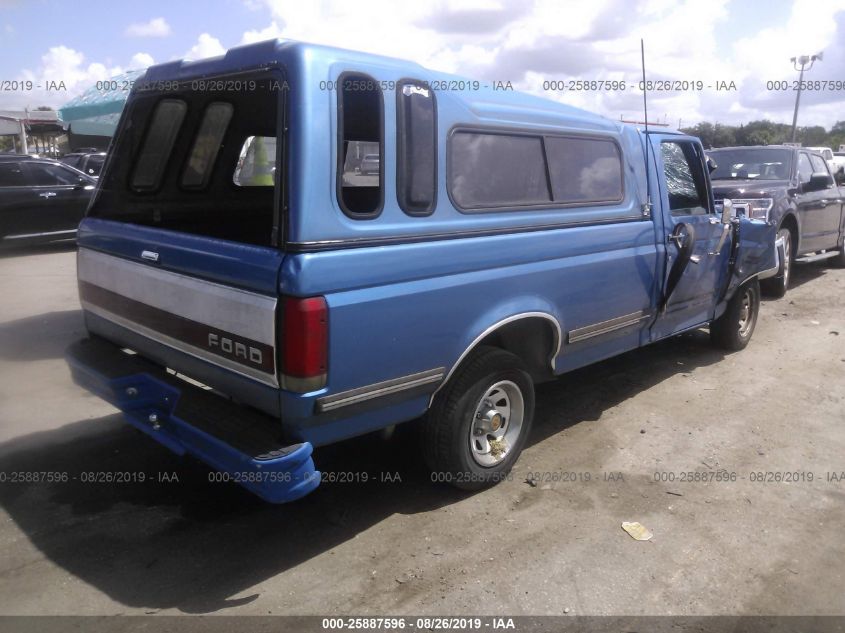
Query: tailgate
228	327
178	255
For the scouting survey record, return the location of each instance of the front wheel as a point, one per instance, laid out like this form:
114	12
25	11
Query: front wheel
479	422
732	331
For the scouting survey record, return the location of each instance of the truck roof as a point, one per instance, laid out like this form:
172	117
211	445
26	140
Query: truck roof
316	61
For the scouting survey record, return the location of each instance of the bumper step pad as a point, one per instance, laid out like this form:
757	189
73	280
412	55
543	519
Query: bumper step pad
188	419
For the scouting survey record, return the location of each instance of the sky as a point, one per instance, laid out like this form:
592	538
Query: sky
721	43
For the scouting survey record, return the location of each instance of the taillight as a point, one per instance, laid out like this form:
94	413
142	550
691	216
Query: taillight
304	343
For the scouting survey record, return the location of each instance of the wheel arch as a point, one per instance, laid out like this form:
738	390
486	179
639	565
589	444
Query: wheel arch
535	336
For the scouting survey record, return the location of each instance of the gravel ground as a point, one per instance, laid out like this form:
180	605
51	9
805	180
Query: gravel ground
630	439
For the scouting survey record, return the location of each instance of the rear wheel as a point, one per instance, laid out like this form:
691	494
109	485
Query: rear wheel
479	422
777	286
733	330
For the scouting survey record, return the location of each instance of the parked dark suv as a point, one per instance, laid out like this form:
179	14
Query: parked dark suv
40	200
90	163
791	187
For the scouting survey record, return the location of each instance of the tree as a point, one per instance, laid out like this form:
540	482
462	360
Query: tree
812	136
766	132
724	136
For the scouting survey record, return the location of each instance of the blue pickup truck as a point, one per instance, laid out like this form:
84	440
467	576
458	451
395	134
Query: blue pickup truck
250	291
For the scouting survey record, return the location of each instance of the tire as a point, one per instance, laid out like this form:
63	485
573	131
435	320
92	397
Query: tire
732	331
839	260
455	447
777	286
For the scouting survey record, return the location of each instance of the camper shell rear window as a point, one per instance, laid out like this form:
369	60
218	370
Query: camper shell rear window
201	158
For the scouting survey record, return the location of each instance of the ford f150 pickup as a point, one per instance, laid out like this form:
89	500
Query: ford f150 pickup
792	188
250	291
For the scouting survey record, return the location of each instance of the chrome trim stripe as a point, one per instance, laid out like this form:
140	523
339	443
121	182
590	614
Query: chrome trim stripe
27	235
233	310
379	389
606	327
196	352
365	242
497	325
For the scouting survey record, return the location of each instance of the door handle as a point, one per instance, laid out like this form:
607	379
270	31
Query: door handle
47	194
713	220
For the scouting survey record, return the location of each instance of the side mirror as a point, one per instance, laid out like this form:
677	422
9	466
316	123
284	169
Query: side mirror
818	181
727	210
711	165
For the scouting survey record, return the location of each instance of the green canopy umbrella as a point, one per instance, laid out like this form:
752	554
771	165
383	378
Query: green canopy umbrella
96	111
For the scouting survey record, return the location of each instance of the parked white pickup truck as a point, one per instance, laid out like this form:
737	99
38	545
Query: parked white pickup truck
838	166
835	160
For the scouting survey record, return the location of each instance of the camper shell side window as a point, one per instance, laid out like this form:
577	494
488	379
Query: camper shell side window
360	151
416	147
500	170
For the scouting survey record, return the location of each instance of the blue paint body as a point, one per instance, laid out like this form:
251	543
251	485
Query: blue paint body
424	296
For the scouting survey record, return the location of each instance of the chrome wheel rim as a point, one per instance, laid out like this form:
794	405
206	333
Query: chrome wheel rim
787	258
746	313
496	423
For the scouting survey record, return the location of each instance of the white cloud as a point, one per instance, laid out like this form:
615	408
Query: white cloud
530	41
157	27
66	65
206	46
67	73
140	61
259	35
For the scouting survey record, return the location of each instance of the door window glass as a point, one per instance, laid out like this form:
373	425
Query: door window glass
11	175
805	169
47	175
819	166
685	182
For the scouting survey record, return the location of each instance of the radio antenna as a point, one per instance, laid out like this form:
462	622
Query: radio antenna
647	205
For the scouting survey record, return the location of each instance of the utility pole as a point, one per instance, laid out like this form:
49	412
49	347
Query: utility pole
803	60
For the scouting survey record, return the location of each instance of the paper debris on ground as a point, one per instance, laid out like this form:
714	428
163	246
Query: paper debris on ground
637	530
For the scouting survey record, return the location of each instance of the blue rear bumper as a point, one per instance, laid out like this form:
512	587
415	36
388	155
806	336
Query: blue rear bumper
186	419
